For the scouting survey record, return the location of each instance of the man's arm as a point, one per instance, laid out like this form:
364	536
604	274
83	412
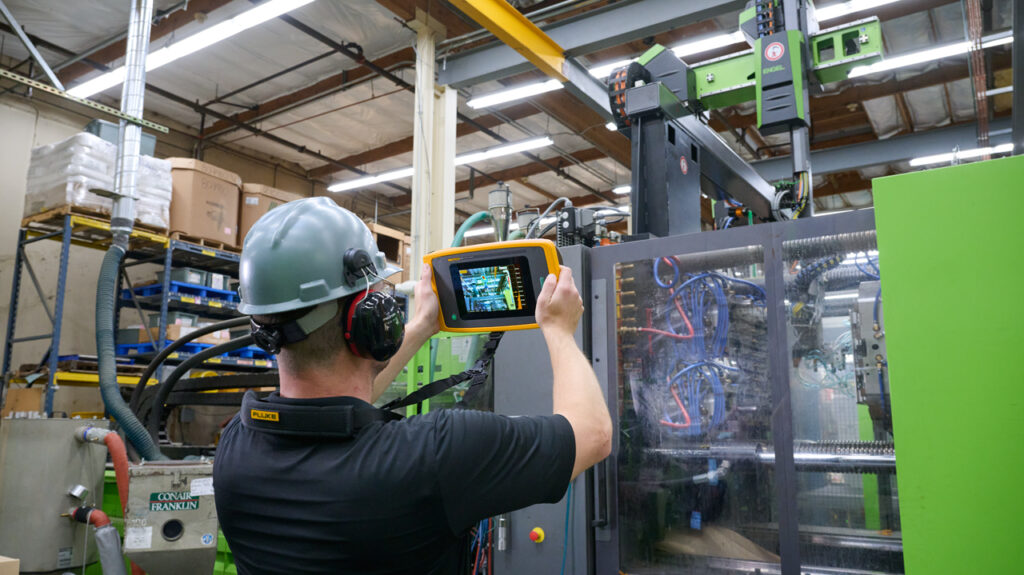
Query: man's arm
576	393
418	331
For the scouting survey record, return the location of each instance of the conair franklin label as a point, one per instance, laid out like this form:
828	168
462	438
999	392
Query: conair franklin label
173	501
264	415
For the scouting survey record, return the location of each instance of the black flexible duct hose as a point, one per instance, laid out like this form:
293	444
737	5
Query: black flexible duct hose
136	399
106	300
167	385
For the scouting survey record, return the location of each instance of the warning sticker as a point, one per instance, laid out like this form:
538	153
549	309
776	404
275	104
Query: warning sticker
202	486
64	557
173	501
138	538
774	51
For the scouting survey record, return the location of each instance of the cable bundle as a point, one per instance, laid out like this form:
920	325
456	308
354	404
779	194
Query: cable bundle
698	338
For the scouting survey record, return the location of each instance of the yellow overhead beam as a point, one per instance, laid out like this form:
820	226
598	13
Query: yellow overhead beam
514	29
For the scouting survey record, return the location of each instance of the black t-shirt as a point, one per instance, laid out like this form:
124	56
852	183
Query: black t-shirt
396	498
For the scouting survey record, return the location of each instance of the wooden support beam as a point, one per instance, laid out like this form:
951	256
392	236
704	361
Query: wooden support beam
516	173
404	146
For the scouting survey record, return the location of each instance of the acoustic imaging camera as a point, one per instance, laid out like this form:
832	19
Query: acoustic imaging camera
491	287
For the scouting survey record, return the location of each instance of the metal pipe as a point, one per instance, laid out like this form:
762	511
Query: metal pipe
133	93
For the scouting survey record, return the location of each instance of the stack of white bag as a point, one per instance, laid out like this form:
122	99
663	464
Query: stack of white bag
63	173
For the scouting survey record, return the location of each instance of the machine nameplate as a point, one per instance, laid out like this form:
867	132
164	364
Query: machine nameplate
173	501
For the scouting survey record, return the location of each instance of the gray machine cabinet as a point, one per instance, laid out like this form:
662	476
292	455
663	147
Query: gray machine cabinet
524	388
40	460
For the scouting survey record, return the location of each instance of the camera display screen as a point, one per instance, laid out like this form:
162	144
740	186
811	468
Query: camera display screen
493	288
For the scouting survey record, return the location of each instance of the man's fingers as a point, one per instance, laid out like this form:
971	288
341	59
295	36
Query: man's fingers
548	289
425	272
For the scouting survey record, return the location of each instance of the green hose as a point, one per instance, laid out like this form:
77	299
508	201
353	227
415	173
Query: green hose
517	235
466	225
106	294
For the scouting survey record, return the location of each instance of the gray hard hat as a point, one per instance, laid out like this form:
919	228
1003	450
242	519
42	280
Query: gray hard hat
293	257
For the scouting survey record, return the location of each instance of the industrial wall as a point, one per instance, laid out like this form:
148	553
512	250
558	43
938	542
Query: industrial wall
27	123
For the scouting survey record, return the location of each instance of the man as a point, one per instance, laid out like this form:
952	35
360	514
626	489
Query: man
299	492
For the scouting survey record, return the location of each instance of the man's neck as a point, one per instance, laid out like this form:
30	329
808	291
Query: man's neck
331	381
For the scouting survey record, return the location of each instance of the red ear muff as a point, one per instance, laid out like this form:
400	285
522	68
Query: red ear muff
374	325
349	320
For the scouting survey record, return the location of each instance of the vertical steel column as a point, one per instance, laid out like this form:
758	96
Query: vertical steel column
12	311
161	333
58	314
782	414
1018	78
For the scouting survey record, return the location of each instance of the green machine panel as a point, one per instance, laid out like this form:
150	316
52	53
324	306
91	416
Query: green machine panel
953	279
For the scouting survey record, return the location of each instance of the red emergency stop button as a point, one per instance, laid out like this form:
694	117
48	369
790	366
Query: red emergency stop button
537	535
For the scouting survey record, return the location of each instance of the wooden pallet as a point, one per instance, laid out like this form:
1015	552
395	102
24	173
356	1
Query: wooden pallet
206	243
78	366
91	229
54	217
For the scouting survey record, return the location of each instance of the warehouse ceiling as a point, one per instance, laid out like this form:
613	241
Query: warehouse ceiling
286	79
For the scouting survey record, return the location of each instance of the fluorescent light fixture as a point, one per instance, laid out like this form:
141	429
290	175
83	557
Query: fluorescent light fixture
516	93
611	127
999	39
961	155
469	158
933	54
843	8
505	150
712	43
604	70
622	190
997	91
370	180
222	31
912	59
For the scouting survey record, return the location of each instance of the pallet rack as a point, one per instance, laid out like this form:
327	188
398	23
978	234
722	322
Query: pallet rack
72	226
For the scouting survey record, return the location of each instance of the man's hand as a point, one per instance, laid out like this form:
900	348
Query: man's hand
424	322
559	305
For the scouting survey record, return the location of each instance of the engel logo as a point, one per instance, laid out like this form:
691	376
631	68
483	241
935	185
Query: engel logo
774	51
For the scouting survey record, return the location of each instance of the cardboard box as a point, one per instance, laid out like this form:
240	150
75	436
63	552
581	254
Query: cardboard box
257	200
205	201
69	399
395	246
9	565
23	399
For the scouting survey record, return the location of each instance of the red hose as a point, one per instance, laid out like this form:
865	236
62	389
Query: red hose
119	456
682	408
